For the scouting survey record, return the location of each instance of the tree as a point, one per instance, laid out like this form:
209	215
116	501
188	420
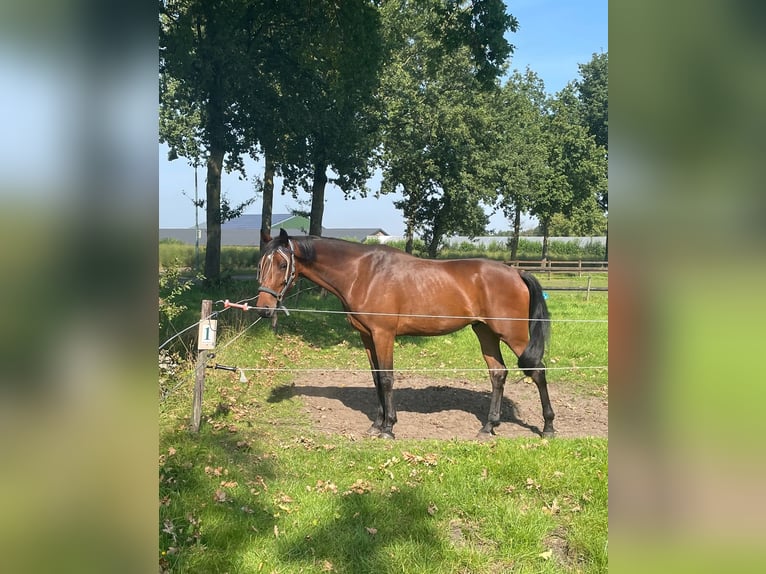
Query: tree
575	165
513	165
205	47
332	127
593	89
593	93
445	56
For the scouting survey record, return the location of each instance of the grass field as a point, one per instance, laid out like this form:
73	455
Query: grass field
259	491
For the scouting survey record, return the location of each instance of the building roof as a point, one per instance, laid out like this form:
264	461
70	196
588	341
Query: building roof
357	233
245	230
253	221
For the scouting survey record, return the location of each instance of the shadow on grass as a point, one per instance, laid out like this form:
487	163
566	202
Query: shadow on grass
210	508
370	532
429	400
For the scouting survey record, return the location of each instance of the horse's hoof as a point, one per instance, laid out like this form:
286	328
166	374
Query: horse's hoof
386	435
549	434
373	431
485	435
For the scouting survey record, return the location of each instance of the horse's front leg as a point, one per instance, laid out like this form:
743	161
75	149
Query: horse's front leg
386	398
384	383
369	347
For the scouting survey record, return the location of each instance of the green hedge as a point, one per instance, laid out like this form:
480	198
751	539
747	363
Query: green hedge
174	253
233	258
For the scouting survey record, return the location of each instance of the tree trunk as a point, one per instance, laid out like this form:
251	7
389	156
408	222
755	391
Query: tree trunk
436	237
515	236
433	247
544	226
317	198
409	236
213	191
268	197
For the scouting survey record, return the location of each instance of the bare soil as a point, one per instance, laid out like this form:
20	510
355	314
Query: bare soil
345	403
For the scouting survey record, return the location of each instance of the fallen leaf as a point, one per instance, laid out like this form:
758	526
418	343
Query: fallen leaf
552	509
276	531
327	566
168	527
371	531
432	509
217	471
219	496
171	451
359	487
546	555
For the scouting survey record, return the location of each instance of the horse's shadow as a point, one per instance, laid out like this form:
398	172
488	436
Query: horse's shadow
428	400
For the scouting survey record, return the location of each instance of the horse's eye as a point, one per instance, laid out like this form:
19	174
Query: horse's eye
282	266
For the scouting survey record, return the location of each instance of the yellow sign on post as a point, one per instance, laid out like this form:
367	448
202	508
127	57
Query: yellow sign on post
206	335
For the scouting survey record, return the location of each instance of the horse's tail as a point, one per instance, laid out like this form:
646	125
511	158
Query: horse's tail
539	324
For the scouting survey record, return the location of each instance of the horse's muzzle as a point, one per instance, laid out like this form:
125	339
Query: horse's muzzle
266	312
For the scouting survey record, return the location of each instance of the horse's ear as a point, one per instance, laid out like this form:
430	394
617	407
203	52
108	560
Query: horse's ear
265	237
283	237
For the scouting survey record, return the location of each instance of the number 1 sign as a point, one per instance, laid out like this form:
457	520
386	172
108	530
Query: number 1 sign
206	335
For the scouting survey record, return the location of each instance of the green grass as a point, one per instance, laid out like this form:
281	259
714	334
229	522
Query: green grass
241	498
257	490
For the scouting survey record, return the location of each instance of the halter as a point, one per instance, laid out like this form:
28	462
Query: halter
289	275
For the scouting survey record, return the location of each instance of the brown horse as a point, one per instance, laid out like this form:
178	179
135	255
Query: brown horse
388	293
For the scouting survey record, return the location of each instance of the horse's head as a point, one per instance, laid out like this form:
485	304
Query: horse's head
276	273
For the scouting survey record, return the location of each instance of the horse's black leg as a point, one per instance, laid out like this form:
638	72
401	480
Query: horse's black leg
377	423
490	348
384	353
386	395
369	346
538	376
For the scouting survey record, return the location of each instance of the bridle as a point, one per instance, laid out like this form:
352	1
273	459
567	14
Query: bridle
289	274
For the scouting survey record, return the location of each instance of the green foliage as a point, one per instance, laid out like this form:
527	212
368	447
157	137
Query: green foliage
513	163
586	219
171	241
576	167
593	89
176	254
433	102
339	53
172	287
233	258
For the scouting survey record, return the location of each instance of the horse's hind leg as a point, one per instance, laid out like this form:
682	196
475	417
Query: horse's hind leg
490	348
536	370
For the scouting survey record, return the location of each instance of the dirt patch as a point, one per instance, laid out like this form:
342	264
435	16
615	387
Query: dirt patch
345	402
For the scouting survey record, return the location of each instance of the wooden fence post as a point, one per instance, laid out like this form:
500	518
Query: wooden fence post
199	372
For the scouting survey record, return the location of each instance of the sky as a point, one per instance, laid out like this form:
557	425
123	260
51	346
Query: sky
553	37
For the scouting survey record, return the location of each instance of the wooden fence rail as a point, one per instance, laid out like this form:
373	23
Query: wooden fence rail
550	267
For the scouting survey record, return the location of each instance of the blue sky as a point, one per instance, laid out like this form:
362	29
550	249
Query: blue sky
554	36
